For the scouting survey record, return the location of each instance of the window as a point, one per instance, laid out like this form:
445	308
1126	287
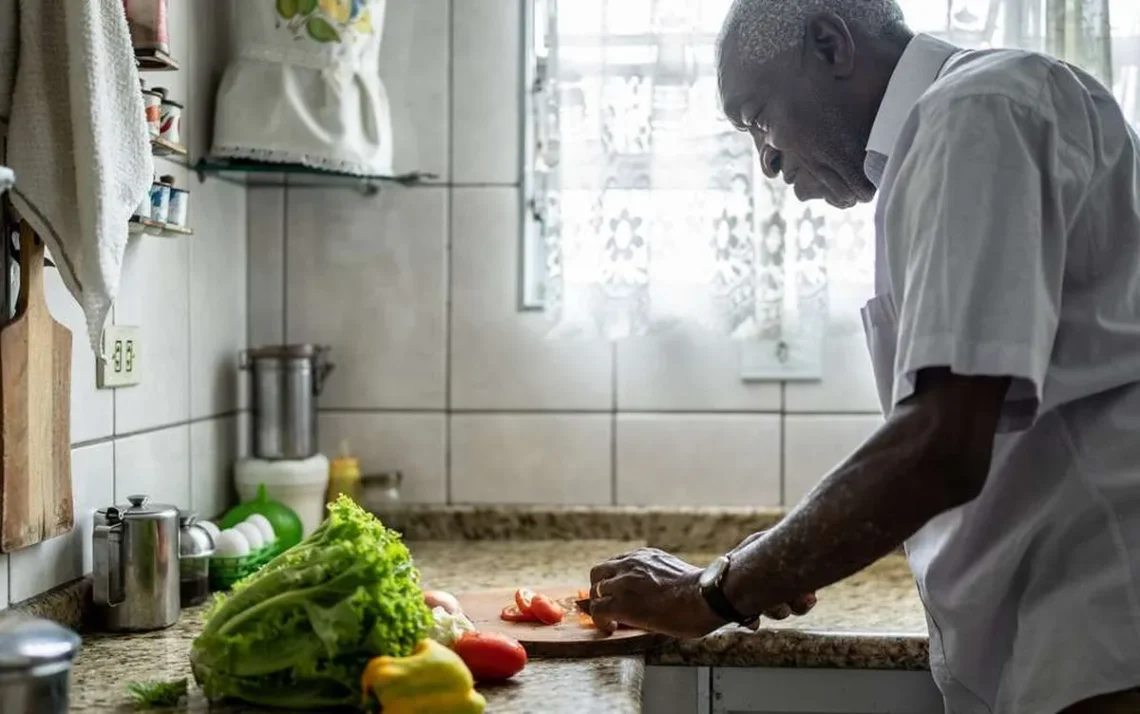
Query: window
647	208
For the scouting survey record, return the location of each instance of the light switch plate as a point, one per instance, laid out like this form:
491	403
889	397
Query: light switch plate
121	350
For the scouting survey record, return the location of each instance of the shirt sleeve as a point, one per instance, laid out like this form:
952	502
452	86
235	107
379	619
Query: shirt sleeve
976	233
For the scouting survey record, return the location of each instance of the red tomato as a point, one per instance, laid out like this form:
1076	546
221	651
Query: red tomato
490	656
546	610
523	598
511	613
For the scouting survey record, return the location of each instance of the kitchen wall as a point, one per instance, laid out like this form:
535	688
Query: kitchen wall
174	436
441	377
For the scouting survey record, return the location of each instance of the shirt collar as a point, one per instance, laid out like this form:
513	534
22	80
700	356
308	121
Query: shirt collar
918	68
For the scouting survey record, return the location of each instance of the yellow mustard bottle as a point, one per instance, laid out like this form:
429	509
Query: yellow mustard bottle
344	475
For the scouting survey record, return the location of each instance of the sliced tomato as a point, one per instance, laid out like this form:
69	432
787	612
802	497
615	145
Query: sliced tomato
491	656
585	620
523	598
546	610
511	613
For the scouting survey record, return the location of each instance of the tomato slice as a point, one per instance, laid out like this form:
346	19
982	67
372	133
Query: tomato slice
546	610
523	598
511	613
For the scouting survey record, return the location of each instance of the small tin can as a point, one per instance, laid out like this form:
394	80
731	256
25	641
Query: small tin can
152	100
179	207
159	201
147	22
171	122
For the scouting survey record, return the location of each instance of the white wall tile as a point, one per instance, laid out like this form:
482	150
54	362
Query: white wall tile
687	369
486	91
414	444
213	450
501	358
698	460
531	458
814	445
218	324
848	383
414	66
3	582
366	276
156	464
155	298
265	216
63	559
92	410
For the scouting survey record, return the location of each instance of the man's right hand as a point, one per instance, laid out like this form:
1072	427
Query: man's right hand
802	605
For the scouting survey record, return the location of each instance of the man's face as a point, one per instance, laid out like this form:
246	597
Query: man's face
802	131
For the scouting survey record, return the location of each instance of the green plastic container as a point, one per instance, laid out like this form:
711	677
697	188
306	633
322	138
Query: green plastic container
286	523
227	570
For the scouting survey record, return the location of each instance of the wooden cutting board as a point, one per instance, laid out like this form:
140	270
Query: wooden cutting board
35	413
568	639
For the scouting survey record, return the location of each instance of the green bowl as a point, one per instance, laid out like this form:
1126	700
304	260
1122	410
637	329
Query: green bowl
227	571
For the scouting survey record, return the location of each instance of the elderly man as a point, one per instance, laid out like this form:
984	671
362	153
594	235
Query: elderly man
1005	341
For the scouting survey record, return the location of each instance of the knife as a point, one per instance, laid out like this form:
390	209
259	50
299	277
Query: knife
583	605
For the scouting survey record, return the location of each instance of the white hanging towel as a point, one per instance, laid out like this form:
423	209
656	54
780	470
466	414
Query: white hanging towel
76	137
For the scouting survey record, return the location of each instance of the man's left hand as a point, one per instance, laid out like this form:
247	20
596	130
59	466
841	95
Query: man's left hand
651	590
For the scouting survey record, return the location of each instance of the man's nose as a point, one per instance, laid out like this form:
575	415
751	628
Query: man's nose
771	160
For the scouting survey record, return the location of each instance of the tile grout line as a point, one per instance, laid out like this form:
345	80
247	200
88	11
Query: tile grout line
613	425
450	233
154	429
285	262
189	318
783	442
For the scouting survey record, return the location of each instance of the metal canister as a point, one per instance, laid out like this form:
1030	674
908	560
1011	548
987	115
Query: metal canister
35	665
196	545
285	381
136	573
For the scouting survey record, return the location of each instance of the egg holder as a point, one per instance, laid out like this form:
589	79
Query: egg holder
225	570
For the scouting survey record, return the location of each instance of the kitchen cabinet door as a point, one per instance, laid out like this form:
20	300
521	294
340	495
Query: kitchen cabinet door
823	691
675	690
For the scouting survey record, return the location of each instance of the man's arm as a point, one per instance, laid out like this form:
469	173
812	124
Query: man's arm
931	455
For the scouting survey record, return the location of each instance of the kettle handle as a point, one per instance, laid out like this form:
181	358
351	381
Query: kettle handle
108	579
321	367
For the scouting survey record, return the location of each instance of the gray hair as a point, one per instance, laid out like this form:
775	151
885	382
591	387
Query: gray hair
759	30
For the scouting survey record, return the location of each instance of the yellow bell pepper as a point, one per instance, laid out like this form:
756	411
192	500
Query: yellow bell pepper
431	680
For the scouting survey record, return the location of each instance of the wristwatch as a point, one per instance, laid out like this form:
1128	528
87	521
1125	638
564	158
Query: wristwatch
712	589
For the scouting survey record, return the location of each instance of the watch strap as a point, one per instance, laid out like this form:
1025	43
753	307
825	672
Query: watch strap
718	602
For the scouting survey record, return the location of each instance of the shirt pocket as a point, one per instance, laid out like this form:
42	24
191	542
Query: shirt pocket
880	326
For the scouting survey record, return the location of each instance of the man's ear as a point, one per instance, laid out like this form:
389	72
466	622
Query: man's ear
829	40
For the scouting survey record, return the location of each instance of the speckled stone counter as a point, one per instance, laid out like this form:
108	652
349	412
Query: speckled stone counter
873	620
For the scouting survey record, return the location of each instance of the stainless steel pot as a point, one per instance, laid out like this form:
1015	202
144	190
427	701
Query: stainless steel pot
285	381
35	665
136	574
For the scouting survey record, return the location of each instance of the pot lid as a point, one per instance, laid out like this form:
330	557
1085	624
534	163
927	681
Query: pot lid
140	508
28	642
194	541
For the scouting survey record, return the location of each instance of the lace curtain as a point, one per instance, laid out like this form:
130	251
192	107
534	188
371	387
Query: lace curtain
654	211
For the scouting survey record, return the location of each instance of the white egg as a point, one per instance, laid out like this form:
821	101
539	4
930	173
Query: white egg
252	534
231	543
264	526
210	528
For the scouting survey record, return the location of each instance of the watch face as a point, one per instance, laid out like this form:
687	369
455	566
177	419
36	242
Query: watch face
713	573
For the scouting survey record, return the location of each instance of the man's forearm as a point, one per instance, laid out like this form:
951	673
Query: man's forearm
922	462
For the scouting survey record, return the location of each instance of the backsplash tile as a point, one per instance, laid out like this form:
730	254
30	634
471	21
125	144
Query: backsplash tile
265	216
367	276
531	458
59	560
501	358
156	464
3	582
414	444
92	410
814	445
486	91
414	62
848	384
214	445
155	298
698	460
688	370
218	321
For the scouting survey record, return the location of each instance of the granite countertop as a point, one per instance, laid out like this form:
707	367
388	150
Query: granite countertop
873	620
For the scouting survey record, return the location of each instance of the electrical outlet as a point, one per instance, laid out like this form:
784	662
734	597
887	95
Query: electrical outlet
121	349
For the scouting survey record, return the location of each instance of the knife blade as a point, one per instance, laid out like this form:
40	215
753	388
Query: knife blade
583	605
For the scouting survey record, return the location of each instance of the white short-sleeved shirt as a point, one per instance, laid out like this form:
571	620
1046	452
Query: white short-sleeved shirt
1008	230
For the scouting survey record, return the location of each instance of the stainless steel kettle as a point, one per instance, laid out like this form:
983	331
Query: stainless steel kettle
136	566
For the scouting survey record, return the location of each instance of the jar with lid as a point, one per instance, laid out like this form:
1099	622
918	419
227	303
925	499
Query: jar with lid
195	546
381	491
35	665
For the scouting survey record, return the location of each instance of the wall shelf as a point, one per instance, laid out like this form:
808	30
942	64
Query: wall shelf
155	61
162	147
256	173
155	228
